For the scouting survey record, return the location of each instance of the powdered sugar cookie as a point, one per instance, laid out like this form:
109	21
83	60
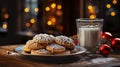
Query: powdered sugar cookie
44	39
40	52
26	48
32	45
65	41
54	48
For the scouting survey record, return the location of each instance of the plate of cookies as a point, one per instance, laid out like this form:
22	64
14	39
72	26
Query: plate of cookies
44	45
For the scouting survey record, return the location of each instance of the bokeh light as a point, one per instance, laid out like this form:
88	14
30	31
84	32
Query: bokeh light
36	9
59	13
49	23
59	7
6	15
27	24
114	2
32	20
90	7
93	16
53	19
53	5
91	11
108	5
4	26
26	10
113	13
47	8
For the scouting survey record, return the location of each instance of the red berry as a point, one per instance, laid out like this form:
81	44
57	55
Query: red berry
107	35
105	50
76	42
116	44
74	37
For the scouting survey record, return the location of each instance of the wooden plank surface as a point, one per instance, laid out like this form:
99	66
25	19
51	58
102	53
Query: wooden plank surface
20	61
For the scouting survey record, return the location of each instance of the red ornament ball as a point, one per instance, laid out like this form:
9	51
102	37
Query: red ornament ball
107	35
105	49
116	44
76	42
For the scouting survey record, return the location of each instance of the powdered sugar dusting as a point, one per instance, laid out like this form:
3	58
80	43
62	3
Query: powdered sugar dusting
43	38
102	60
63	39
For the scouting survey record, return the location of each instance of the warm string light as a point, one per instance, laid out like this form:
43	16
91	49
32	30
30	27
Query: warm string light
49	23
90	7
108	6
92	16
26	10
114	2
112	13
27	24
52	9
92	12
53	5
6	15
32	20
59	7
36	9
53	19
47	8
4	26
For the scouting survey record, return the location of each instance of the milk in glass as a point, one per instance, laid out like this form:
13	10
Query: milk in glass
89	37
88	32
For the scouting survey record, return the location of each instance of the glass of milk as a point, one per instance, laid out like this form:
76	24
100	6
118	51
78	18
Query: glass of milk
88	32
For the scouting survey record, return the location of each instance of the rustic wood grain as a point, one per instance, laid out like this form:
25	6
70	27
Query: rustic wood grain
20	61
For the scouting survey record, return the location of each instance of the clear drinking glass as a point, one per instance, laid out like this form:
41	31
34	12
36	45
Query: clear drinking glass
89	32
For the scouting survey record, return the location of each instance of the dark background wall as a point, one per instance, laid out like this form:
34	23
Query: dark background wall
72	9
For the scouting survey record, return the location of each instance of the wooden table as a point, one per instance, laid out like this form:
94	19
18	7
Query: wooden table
18	61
